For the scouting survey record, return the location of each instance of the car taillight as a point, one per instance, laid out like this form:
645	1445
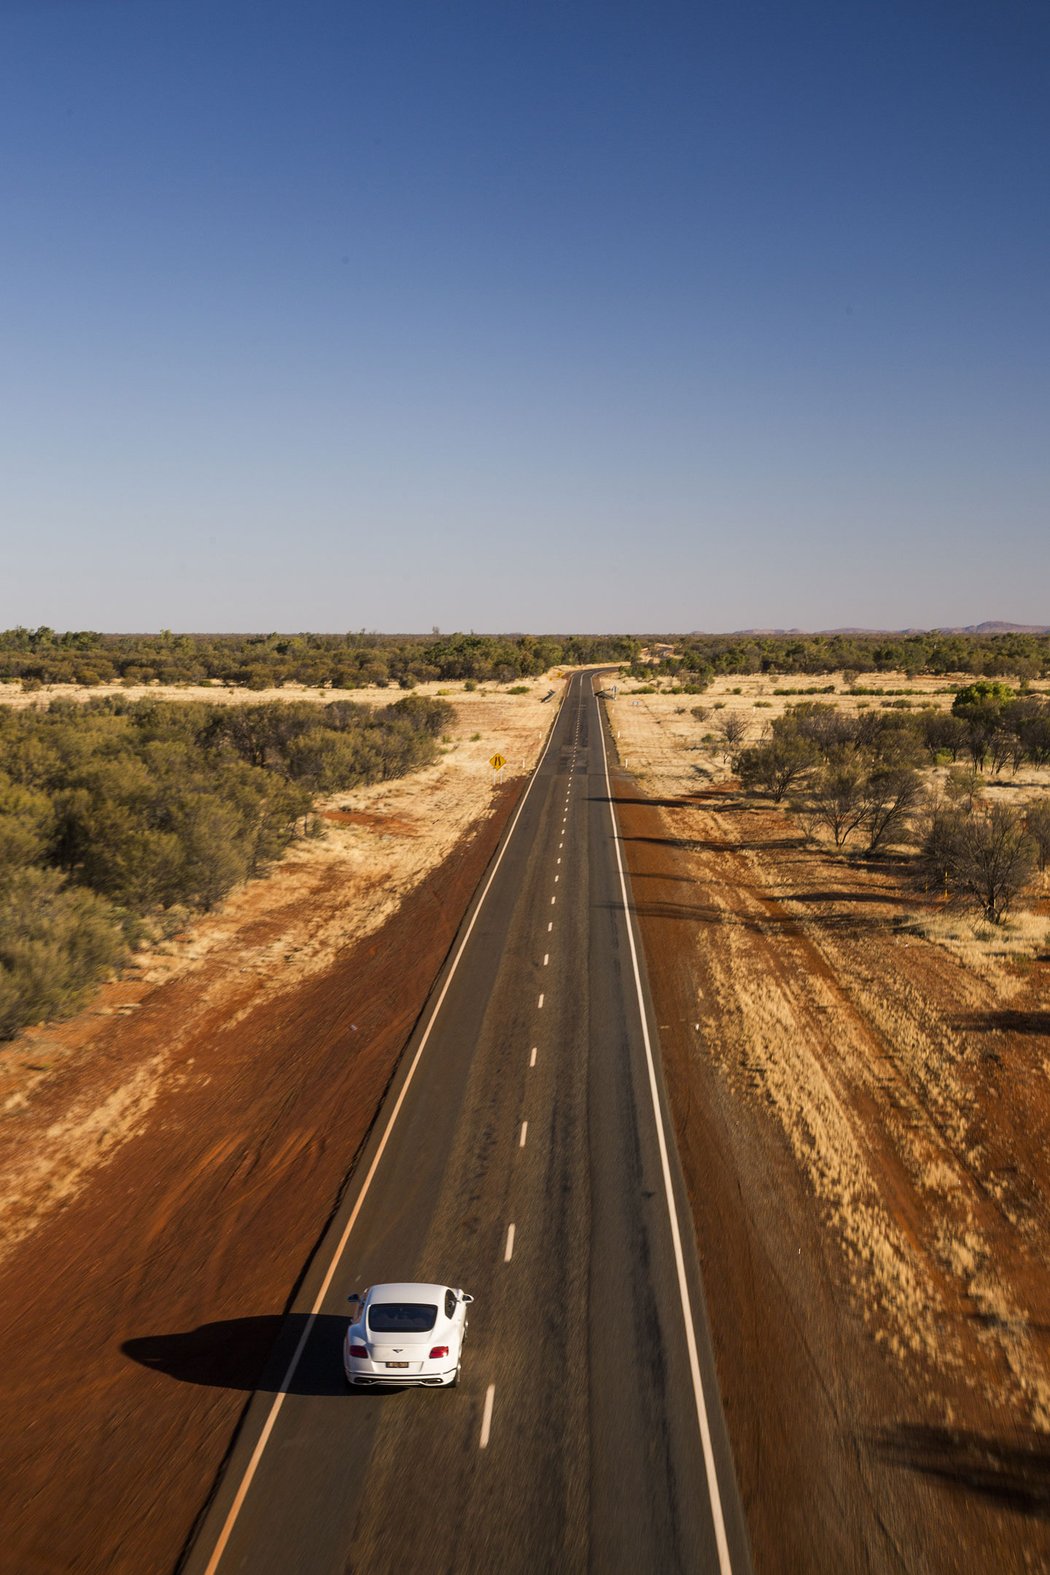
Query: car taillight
438	1350
359	1350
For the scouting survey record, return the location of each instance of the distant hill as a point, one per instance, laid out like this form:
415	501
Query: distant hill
992	626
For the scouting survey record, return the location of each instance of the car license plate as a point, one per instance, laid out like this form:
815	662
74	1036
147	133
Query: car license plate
397	1364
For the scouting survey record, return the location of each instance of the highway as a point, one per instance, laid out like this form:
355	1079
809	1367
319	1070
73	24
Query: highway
519	1154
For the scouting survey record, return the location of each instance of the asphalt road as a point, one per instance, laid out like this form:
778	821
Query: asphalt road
586	1433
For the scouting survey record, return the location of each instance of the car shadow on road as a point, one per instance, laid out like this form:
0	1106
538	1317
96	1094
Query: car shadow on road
252	1353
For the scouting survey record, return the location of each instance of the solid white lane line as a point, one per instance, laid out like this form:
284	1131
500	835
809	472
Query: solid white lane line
508	1251
724	1563
524	1129
282	1394
486	1420
532	1057
539	1004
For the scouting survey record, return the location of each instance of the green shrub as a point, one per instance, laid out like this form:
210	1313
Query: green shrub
55	943
118	811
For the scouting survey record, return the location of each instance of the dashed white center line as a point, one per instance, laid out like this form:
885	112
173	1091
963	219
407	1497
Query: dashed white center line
546	958
557	877
553	901
550	926
508	1251
486	1419
524	1130
532	1057
559	861
539	1003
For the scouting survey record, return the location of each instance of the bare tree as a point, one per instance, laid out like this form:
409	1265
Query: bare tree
890	798
985	858
733	728
836	799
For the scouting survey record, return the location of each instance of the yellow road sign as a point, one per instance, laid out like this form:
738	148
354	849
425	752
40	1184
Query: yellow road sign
497	762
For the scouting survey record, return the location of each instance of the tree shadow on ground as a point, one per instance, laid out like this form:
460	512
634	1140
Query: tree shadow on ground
702	845
250	1354
1013	1471
1006	1022
648	803
768	924
888	898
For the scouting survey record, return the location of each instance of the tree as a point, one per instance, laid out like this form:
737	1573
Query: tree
776	765
942	733
985	858
835	799
1037	824
891	794
832	731
733	728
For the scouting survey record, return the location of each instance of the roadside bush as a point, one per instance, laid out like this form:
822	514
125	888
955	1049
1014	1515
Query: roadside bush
119	810
55	942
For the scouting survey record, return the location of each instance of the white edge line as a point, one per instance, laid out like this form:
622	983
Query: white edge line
724	1561
486	1420
279	1399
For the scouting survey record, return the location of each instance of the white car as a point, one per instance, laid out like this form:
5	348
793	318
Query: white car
406	1334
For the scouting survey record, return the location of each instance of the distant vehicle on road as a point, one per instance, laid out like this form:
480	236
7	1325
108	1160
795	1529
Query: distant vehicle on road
406	1333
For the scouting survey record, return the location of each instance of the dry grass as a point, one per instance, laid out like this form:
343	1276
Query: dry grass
870	1048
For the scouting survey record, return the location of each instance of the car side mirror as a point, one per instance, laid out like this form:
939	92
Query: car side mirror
464	1297
354	1296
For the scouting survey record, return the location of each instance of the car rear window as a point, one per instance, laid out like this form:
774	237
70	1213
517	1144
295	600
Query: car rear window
401	1317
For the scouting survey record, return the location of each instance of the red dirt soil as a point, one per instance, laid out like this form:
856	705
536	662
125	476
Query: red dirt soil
865	1134
208	1214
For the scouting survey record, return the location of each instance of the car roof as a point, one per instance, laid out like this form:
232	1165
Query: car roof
407	1291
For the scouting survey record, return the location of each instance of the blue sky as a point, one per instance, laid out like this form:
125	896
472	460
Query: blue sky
533	315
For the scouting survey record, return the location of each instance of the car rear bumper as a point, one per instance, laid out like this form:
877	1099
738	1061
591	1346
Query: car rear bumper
375	1377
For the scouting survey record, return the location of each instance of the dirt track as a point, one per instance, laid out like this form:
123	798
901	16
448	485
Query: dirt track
204	1217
